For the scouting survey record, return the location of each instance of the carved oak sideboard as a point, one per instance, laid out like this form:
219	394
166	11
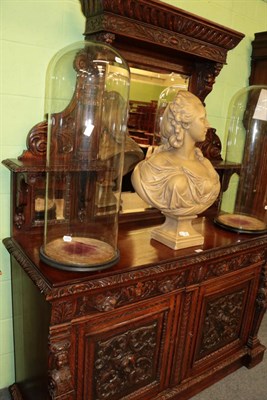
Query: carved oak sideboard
161	324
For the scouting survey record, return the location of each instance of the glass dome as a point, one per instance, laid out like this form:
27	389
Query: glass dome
243	205
87	106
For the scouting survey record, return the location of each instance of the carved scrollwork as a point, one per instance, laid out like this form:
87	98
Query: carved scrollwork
171	283
36	142
125	361
64	135
211	147
112	299
227	265
63	311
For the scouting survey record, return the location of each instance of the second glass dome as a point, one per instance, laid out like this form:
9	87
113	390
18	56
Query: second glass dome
243	205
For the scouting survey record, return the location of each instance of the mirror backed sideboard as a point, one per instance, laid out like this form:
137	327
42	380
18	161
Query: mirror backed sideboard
160	324
154	38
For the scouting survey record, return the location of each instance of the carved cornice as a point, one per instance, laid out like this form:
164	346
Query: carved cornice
153	35
163	16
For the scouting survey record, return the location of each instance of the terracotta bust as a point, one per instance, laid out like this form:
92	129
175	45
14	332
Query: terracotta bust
177	179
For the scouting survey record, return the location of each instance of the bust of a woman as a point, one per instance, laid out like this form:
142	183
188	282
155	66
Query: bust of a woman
177	179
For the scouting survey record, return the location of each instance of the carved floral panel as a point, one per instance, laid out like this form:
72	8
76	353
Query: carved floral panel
222	322
124	362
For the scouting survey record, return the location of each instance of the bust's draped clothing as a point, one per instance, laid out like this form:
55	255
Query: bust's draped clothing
175	189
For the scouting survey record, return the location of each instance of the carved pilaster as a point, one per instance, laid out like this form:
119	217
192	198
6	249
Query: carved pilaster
60	379
256	350
177	371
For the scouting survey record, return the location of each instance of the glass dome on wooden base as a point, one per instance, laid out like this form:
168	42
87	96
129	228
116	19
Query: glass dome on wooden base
87	104
243	205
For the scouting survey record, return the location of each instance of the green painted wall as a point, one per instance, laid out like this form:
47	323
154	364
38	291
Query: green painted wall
31	33
145	92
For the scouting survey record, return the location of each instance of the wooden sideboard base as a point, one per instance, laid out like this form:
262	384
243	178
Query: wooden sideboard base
161	324
188	388
254	356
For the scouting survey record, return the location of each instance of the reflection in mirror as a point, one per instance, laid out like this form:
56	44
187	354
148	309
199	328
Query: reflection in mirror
145	91
148	91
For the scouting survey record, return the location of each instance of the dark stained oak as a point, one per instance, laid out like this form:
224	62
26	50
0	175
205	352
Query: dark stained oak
161	324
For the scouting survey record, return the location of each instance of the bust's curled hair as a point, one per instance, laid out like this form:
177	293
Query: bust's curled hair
177	118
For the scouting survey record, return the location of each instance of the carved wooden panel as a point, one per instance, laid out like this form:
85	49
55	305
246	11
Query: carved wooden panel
221	324
122	354
224	319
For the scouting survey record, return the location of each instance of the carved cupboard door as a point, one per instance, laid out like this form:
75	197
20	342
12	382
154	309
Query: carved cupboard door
224	318
124	354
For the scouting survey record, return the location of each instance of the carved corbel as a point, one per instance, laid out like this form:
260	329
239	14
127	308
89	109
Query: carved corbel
104	37
211	147
206	74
